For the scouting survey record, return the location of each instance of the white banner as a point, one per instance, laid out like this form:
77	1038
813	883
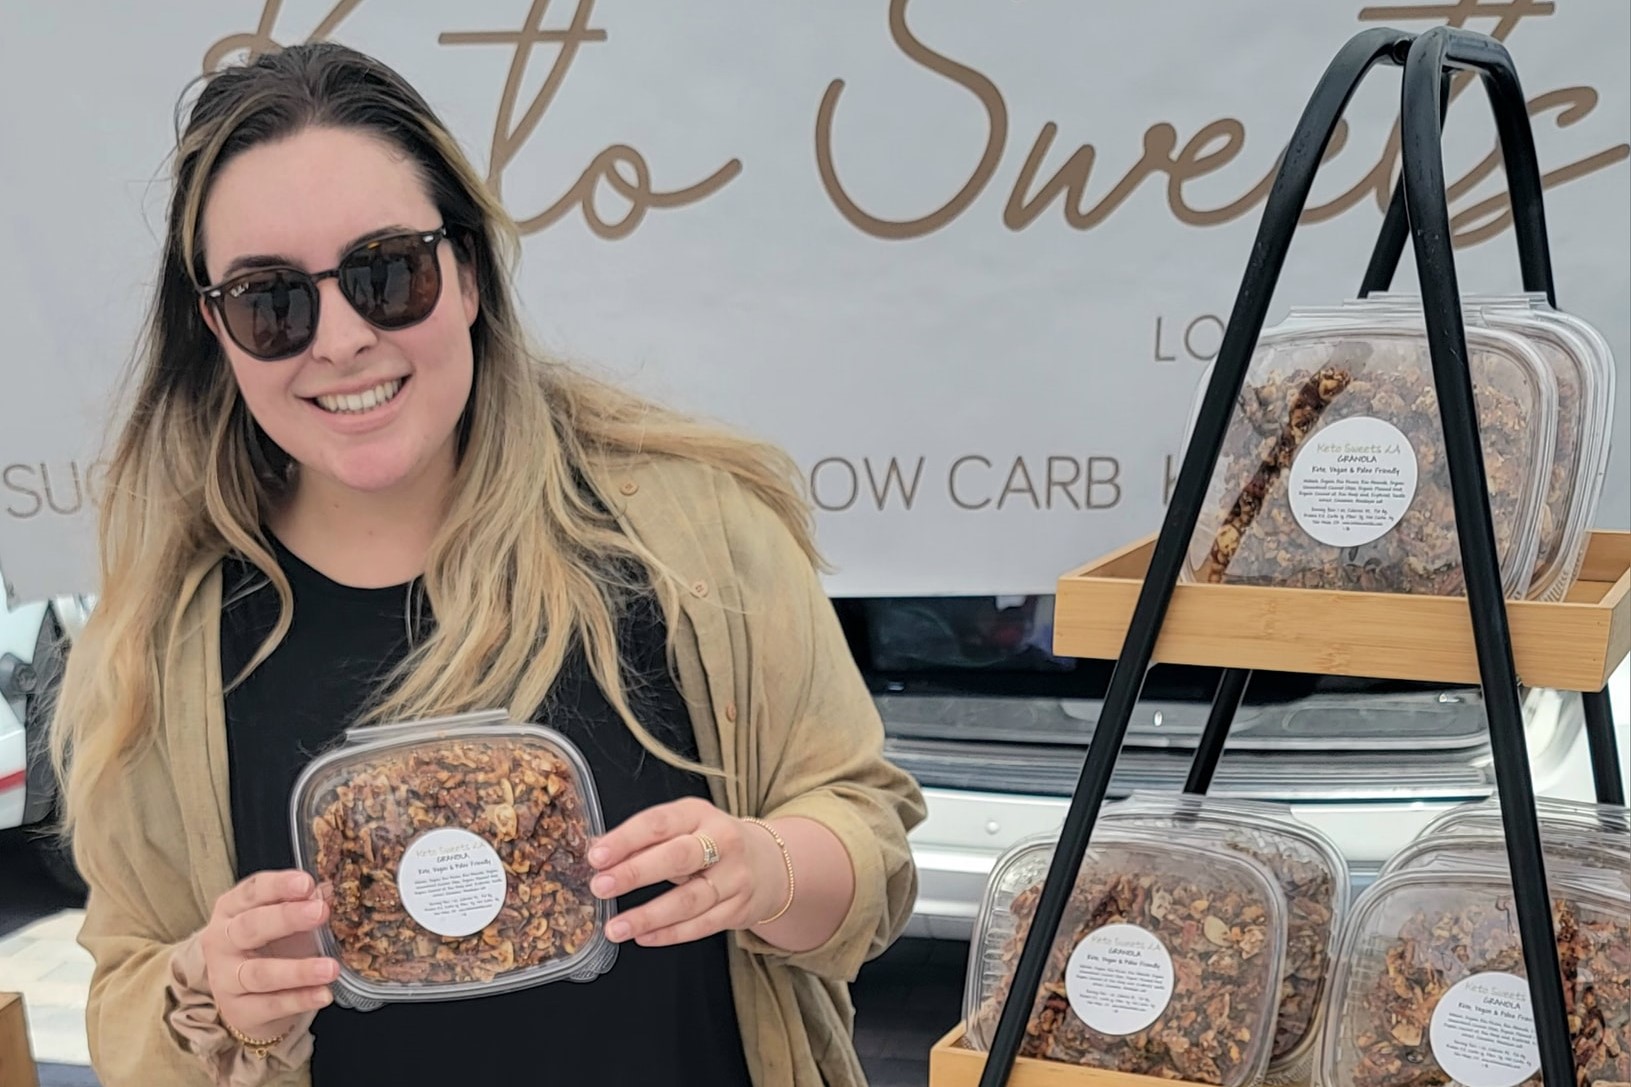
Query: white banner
965	259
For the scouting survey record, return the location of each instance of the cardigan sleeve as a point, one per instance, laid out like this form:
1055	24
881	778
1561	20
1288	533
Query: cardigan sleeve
149	1017
818	740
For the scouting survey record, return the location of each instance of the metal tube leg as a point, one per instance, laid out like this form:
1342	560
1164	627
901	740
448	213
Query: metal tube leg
1286	200
1606	769
1225	704
1480	562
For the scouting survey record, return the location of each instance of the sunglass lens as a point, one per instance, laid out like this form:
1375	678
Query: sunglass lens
271	315
393	283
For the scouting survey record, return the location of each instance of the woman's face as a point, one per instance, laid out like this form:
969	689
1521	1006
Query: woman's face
304	202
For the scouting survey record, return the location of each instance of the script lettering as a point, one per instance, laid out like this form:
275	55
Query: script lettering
620	167
1210	149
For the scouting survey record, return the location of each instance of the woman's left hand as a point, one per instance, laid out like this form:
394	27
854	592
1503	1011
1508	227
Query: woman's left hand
748	881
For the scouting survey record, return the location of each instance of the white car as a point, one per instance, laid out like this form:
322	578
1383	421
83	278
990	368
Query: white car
32	640
995	729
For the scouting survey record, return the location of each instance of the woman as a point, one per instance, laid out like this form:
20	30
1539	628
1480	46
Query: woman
349	492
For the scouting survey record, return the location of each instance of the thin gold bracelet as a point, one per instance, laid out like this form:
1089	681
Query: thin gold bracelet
255	1047
787	859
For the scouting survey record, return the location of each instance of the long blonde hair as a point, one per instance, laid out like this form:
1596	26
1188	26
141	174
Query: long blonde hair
519	572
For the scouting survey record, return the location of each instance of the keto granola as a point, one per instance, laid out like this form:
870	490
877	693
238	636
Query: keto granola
1389	1016
519	798
1310	893
1223	934
1248	534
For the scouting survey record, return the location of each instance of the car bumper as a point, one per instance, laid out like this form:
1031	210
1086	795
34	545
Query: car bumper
966	830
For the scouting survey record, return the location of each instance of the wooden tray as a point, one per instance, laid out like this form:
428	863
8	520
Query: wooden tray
951	1064
1574	645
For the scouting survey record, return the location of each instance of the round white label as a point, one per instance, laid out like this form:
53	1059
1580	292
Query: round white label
452	882
1119	979
1483	1032
1353	481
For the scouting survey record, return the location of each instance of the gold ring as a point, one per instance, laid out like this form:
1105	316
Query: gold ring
710	852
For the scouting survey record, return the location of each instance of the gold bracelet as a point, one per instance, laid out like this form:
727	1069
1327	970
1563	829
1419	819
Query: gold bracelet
787	859
255	1047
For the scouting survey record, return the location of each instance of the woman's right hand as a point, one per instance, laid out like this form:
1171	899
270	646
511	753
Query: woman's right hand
260	952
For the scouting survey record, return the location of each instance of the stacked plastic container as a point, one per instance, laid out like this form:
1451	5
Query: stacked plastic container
454	853
1168	961
1313	877
1333	473
1430	987
1583	365
1581	843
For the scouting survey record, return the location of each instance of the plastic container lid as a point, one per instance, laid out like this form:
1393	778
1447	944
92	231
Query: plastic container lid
456	852
1585	386
1333	473
1167	961
1599	429
1484	817
1430	986
1313	876
1574	860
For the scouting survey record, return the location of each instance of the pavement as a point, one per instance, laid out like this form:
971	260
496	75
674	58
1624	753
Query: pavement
905	1000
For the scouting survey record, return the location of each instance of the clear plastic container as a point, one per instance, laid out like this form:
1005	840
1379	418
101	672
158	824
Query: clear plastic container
1333	473
1429	987
1574	860
1313	877
454	851
1167	961
1484	817
1584	368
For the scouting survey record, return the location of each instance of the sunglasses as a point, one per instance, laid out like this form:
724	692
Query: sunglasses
391	282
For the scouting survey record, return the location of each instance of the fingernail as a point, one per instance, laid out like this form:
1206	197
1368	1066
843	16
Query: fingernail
312	911
331	970
601	885
617	932
299	885
597	856
324	998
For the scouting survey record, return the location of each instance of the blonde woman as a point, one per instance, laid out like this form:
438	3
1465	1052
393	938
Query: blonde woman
348	491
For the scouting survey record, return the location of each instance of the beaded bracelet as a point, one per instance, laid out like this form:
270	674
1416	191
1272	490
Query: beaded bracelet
255	1047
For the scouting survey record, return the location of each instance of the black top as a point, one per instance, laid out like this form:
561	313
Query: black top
660	1016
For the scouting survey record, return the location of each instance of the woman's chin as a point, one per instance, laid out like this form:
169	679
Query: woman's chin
370	475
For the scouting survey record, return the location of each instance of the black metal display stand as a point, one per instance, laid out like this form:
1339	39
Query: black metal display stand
1418	210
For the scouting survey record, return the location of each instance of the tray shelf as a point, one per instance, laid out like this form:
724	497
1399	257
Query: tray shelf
952	1063
1574	645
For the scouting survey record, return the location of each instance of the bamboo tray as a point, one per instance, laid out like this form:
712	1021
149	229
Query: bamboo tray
952	1064
1574	645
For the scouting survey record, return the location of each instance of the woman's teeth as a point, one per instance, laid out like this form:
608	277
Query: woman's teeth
363	401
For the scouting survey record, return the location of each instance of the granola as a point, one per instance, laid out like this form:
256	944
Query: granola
1248	533
1223	934
1310	892
1389	1016
520	798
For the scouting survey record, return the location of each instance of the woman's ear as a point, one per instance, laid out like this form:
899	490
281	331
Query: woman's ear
206	312
469	277
469	290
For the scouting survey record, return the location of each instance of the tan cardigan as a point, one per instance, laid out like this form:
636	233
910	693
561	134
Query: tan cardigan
775	699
